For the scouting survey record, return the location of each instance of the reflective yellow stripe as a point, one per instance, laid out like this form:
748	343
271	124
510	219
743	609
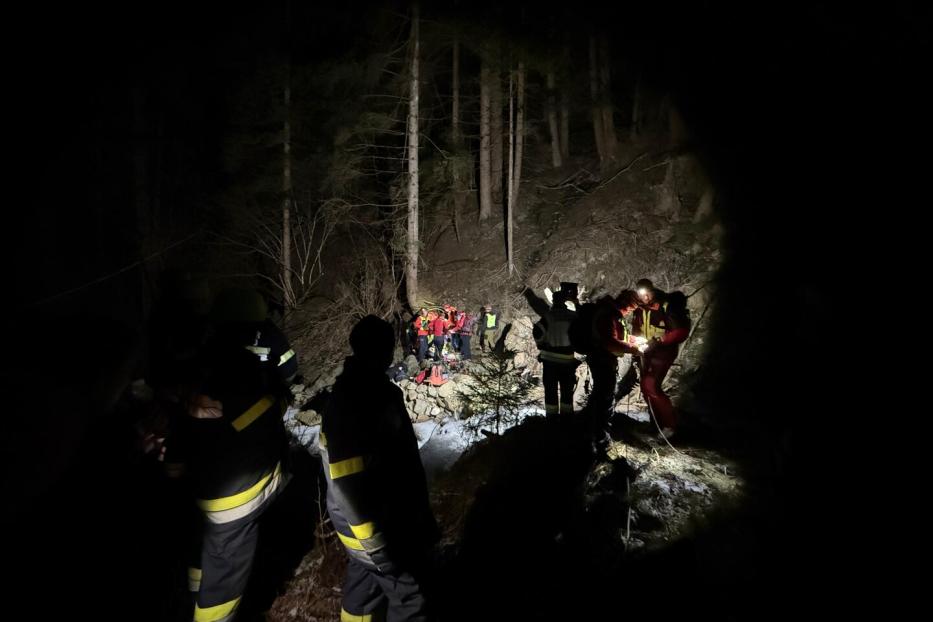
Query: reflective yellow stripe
217	612
346	467
556	357
363	531
346	616
350	543
241	422
259	350
226	503
285	357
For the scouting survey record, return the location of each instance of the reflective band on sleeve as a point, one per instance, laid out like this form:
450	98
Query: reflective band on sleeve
257	409
346	467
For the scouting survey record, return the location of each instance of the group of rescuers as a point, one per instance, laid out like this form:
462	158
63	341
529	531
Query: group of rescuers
449	329
225	375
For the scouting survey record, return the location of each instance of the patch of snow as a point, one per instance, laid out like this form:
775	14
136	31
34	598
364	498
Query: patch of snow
696	487
641	416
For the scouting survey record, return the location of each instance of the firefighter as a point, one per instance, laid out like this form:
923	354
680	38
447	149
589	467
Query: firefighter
377	494
244	314
663	322
231	446
556	355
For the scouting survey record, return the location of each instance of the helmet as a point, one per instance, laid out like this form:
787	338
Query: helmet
236	305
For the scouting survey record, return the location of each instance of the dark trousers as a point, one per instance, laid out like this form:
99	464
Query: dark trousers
227	552
465	346
455	341
367	591
604	366
654	368
422	347
559	380
439	347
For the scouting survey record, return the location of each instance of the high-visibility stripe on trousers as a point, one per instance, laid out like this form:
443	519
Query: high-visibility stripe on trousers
228	546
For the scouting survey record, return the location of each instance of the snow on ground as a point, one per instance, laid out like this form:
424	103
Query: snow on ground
441	441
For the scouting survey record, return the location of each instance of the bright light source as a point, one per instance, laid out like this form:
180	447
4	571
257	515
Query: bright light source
642	291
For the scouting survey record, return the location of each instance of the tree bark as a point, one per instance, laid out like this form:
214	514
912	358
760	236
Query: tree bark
455	113
636	107
511	186
565	112
596	110
519	133
485	176
610	142
516	137
556	157
495	136
564	124
286	277
411	268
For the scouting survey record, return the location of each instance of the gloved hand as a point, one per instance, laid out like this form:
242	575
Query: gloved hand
652	343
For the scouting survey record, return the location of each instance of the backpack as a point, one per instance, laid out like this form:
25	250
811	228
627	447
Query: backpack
581	329
438	375
398	372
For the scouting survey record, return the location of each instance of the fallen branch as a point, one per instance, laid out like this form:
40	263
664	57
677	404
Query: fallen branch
621	170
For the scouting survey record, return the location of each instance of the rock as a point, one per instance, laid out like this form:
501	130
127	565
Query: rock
411	363
421	408
521	359
308	417
435	411
432	391
447	390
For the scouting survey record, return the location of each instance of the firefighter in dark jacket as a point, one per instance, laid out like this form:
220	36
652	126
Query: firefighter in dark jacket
663	322
377	494
555	352
611	339
244	315
231	447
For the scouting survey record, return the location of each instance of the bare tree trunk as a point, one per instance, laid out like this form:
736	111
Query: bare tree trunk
565	112
495	137
516	138
457	172
636	107
455	113
510	186
519	134
411	272
556	159
594	93
565	124
286	277
610	142
485	177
